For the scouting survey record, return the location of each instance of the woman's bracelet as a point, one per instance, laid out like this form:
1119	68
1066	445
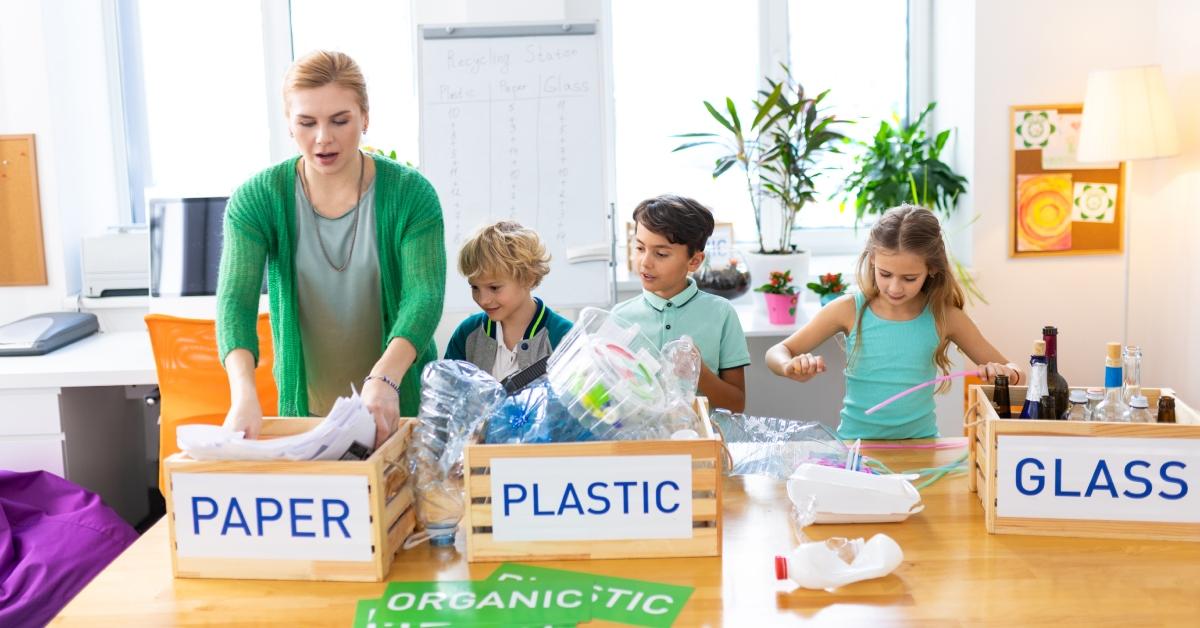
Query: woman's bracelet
385	379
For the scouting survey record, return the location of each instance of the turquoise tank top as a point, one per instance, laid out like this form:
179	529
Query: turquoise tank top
895	356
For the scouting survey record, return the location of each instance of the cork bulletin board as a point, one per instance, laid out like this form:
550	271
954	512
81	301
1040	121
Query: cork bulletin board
22	260
1058	205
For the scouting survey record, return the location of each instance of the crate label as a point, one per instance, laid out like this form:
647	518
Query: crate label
586	498
1098	478
272	516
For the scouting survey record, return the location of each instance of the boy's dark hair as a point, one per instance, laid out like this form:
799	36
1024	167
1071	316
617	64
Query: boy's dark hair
679	219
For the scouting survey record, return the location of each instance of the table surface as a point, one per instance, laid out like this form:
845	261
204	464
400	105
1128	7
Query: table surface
953	572
107	359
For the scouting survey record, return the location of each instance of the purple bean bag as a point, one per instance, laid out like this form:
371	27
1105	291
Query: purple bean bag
54	538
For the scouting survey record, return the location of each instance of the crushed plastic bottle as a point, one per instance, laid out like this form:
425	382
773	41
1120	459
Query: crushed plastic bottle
775	447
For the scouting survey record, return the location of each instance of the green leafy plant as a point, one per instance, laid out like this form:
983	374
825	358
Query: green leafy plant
780	283
829	283
902	164
779	152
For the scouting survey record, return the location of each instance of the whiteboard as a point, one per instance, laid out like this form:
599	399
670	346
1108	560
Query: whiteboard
512	128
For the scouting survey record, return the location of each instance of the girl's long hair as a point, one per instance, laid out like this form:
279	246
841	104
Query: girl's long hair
912	229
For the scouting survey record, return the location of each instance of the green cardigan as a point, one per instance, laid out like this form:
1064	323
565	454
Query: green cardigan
412	266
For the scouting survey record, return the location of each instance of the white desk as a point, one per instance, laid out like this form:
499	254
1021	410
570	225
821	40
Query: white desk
76	412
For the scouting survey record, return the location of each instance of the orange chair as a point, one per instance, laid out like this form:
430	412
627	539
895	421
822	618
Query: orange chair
192	384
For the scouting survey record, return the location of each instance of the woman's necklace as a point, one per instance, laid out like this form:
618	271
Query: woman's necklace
354	233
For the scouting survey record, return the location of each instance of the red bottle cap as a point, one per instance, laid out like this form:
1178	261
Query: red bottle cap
780	568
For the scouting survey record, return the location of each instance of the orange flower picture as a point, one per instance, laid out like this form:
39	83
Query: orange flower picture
1044	212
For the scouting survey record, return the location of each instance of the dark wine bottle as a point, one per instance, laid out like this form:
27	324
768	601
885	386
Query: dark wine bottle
1000	398
1055	383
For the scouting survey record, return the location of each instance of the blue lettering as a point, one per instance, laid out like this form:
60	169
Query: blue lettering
1149	488
292	503
625	494
1183	487
339	520
658	496
234	508
1041	481
645	498
509	499
262	516
600	498
570	493
1101	469
197	517
536	512
1058	489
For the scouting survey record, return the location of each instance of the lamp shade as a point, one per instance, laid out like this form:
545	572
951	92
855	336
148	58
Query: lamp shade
1127	115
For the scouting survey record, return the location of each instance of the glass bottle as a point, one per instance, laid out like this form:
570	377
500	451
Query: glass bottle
1139	410
1094	397
1000	397
1049	408
1078	410
1032	408
1166	409
1113	407
1056	383
1132	373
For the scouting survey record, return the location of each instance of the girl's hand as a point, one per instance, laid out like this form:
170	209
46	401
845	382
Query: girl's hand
383	402
989	371
245	415
803	367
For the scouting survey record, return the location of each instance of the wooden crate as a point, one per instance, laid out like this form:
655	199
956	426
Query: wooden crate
703	539
986	430
351	536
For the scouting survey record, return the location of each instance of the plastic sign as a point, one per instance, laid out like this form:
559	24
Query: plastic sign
592	498
1098	478
285	517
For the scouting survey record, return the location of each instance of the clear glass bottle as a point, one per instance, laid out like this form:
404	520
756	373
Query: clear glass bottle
1079	409
1139	410
1112	408
1032	408
1131	384
1094	397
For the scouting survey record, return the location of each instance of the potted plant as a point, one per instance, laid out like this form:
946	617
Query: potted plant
830	286
779	154
781	298
902	164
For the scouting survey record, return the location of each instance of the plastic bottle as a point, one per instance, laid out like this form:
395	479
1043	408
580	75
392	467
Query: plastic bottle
1078	410
1094	397
839	561
1139	410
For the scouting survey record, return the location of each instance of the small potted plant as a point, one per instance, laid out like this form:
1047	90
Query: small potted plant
830	286
781	298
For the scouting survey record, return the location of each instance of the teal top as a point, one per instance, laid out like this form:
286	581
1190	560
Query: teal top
710	320
895	356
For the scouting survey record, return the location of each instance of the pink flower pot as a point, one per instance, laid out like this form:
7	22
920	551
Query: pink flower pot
781	308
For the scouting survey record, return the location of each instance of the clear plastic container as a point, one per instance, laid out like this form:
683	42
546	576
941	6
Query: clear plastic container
1139	410
1079	406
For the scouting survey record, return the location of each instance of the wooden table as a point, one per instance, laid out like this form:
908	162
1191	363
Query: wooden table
953	573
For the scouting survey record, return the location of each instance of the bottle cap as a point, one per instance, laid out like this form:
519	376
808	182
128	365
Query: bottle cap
1039	347
1095	393
1049	330
1078	396
780	568
1139	401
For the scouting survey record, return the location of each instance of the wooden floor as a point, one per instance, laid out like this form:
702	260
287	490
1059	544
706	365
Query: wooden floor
954	573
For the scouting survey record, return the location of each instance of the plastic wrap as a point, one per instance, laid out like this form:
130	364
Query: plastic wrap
775	447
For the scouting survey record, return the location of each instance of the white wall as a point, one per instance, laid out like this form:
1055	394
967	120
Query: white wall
54	82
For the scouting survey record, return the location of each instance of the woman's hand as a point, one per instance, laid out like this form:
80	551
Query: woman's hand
804	367
989	371
383	402
245	415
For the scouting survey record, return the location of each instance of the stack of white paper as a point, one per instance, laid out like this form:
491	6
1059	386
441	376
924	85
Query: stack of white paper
348	422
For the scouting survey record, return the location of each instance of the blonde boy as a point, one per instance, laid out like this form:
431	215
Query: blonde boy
503	263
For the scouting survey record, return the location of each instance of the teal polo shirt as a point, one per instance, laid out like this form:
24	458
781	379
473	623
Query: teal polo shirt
710	320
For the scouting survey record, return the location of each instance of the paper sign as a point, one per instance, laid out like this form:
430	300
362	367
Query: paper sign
269	516
633	602
592	498
1098	478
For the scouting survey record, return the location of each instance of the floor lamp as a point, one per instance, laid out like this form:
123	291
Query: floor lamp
1127	116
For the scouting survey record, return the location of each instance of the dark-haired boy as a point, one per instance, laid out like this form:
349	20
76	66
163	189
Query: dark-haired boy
670	236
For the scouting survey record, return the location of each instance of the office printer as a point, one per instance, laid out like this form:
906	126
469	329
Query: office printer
116	263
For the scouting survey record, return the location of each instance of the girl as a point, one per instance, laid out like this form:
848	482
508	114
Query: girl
898	329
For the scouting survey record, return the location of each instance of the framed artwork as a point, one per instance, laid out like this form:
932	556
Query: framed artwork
1057	204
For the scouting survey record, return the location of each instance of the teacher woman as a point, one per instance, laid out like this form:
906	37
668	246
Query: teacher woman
355	259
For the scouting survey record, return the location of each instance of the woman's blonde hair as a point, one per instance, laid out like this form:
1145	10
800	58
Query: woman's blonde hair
915	230
322	67
505	249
